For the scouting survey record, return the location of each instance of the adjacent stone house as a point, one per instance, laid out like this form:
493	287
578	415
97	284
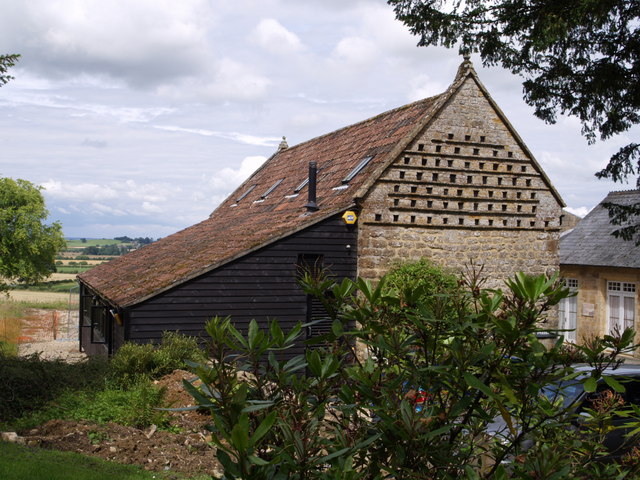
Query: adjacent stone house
446	178
603	270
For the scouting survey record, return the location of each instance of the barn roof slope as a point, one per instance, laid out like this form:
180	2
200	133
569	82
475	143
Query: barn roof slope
268	207
591	243
245	221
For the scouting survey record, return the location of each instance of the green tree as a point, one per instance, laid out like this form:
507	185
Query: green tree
6	62
331	414
28	246
577	57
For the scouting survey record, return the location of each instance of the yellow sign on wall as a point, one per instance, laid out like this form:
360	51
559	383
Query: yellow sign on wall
350	217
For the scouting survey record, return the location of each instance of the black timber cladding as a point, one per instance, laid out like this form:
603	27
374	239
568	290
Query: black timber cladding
261	285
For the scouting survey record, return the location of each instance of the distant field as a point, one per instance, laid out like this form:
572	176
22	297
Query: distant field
38	297
72	269
54	277
92	242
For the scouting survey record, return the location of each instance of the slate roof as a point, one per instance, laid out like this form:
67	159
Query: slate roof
591	242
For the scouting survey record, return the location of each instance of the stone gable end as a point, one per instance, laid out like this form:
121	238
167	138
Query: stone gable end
464	190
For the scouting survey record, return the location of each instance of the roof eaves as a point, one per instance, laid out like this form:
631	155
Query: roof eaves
317	218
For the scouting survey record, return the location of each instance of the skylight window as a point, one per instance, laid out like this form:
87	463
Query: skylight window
247	192
271	189
356	170
302	185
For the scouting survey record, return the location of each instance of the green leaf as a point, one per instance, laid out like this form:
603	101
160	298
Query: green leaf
590	385
257	460
240	434
478	385
613	383
263	428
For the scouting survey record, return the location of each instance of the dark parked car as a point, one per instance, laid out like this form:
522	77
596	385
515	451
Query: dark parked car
573	396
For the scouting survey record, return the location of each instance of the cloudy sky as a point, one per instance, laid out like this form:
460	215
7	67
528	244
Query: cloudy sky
139	116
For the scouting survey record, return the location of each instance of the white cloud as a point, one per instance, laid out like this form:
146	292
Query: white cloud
82	191
355	52
580	211
273	37
235	136
229	178
142	41
232	81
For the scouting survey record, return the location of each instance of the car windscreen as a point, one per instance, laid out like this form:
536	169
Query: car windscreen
567	392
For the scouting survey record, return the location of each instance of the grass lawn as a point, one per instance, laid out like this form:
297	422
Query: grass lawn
22	463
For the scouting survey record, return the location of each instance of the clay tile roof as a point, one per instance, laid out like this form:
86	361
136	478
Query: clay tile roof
238	227
591	242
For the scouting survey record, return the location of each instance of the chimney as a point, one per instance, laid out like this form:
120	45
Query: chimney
311	205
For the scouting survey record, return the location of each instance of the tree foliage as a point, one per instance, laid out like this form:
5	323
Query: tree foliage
577	57
28	246
6	62
334	413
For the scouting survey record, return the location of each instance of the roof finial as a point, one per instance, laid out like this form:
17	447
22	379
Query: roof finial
283	144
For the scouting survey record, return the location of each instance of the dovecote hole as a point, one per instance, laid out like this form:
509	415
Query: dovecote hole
413	219
523	168
434	177
413	203
414	189
419	176
407	160
450	136
456	150
445	191
438	148
437	162
459	193
395	218
449	163
490	222
467	138
495	153
482	138
420	147
476	151
460	221
476	222
467	165
396	188
378	217
396	202
424	162
510	154
401	174
528	182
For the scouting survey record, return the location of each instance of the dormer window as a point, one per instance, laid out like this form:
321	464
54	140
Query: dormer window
363	163
271	189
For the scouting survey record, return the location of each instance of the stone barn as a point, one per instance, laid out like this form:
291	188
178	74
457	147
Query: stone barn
447	178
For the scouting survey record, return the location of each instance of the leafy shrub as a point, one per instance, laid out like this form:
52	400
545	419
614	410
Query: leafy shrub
30	382
426	283
136	406
332	414
133	362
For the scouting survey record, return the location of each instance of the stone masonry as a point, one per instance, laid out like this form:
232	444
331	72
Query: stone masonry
466	189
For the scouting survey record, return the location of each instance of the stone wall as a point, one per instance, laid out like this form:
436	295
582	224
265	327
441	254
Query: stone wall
464	190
